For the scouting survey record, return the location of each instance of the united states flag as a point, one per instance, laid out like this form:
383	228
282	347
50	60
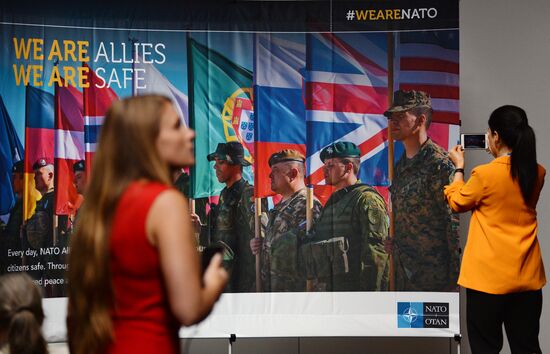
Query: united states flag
429	61
97	100
346	95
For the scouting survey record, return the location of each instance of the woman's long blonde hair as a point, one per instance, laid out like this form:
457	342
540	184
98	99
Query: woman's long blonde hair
126	152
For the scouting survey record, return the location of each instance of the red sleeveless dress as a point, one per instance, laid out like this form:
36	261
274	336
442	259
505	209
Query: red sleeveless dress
143	322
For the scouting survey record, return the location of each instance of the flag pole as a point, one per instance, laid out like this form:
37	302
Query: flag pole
257	234
133	40
309	209
56	161
391	44
309	223
192	209
258	200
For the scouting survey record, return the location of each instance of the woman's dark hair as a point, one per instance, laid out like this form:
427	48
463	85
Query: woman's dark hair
21	314
510	122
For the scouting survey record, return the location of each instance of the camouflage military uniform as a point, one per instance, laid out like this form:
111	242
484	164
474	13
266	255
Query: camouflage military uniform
39	233
286	230
426	232
233	226
347	249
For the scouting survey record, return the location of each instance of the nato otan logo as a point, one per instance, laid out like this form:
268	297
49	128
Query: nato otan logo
422	315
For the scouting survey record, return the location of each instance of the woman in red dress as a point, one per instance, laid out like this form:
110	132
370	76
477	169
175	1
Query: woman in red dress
134	272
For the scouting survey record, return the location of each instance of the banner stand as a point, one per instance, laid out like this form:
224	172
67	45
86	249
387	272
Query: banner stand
458	340
232	339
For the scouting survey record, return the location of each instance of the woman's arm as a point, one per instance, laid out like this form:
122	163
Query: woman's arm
462	196
456	155
169	229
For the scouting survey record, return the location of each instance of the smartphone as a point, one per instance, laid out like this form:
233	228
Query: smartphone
208	253
474	141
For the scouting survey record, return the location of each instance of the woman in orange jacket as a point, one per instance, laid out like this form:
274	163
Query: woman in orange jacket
502	267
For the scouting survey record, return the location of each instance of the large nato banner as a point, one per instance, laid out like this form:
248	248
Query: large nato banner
305	90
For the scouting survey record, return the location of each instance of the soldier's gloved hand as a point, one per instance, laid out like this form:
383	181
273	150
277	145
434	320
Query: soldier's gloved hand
256	245
196	220
389	245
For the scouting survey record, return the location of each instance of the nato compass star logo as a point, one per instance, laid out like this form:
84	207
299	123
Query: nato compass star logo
409	315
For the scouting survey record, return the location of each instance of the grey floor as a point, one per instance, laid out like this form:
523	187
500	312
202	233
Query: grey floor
326	345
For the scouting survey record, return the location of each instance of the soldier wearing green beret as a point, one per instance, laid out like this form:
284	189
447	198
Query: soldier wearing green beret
281	262
231	222
347	249
426	241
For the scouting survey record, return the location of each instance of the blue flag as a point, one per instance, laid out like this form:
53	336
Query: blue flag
11	151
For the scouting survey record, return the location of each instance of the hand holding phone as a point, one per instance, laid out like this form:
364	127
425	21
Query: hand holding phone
474	141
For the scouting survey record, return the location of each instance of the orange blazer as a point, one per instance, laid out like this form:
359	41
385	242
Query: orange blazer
502	253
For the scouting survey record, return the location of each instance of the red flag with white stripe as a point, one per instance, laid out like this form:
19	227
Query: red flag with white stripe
97	100
69	147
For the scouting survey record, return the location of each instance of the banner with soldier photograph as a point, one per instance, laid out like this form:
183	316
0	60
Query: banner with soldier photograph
321	139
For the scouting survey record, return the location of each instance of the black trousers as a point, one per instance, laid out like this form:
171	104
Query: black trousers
519	312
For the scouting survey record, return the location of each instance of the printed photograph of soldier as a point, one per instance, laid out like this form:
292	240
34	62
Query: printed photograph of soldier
197	206
282	266
346	251
80	184
39	228
80	179
231	222
425	245
11	234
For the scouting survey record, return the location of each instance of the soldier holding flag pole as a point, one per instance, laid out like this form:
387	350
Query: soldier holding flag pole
280	250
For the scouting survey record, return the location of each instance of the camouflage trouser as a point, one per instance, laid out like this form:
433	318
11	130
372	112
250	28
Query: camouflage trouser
420	277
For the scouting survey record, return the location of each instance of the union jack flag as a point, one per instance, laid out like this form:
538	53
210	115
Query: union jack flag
346	95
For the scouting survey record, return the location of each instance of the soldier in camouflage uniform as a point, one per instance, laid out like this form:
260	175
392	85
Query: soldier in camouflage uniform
347	249
80	183
232	220
281	261
39	228
426	241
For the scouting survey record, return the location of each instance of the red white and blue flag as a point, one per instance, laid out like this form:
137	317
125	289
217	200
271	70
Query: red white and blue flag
39	140
69	147
97	100
279	60
346	96
429	61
